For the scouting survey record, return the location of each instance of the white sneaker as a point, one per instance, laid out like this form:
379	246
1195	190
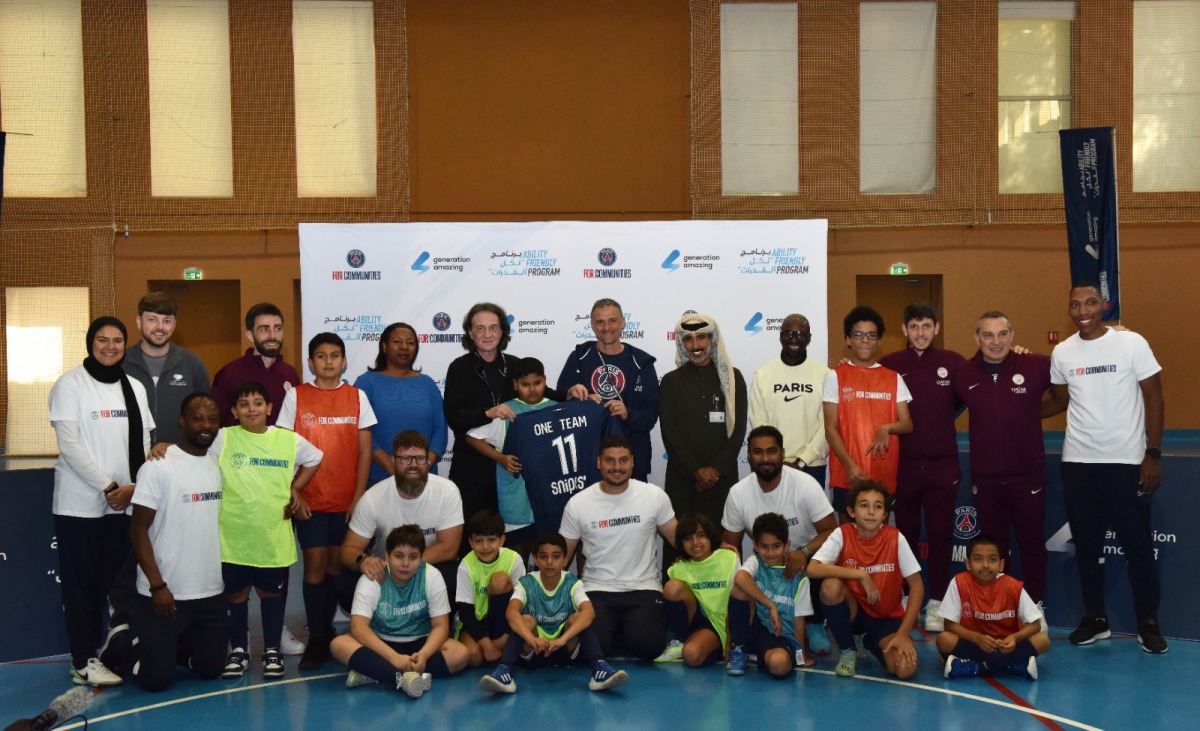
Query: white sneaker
355	679
673	652
95	675
414	684
289	645
933	620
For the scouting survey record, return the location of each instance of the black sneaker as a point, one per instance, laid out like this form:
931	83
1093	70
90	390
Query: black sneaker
316	653
1150	637
1090	629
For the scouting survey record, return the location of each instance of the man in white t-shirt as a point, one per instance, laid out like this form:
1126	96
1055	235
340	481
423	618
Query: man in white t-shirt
411	496
1110	384
773	487
180	600
616	520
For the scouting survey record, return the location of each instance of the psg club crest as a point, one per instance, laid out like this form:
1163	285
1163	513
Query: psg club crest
355	258
607	257
608	381
966	523
441	322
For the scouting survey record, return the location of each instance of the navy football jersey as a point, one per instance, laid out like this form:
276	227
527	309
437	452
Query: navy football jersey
558	447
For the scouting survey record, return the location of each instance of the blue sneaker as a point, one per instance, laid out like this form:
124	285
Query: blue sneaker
957	667
606	677
737	661
500	680
818	641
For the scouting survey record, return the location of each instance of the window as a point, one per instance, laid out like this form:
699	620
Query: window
1033	90
191	135
41	98
897	97
760	107
1166	96
333	51
44	338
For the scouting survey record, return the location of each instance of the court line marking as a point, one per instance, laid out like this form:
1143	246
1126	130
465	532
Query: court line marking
960	694
903	683
1012	696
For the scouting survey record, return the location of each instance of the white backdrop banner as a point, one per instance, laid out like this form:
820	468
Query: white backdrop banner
358	278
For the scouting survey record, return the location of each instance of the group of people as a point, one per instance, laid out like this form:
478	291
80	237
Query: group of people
243	469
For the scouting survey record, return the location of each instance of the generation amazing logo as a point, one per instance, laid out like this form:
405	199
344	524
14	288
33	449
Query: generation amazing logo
607	257
355	259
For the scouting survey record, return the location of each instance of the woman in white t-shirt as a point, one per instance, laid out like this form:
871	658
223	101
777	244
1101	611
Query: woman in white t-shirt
102	420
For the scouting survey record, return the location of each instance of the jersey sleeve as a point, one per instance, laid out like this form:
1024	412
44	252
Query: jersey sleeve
830	550
366	414
802	601
492	432
451	513
517	571
149	487
307	455
435	592
665	513
829	388
951	604
366	597
1143	360
812	499
518	594
362	521
731	516
287	411
902	392
463	591
570	527
1027	610
908	561
578	595
1057	376
750	566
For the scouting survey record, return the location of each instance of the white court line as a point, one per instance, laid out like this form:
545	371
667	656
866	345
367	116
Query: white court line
189	699
889	681
961	694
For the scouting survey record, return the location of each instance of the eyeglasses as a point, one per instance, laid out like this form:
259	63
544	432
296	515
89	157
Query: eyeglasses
860	335
789	334
411	458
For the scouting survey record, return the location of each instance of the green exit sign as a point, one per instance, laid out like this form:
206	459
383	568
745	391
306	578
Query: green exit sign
900	269
193	274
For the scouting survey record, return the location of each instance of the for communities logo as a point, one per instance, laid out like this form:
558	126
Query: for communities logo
441	323
355	259
607	258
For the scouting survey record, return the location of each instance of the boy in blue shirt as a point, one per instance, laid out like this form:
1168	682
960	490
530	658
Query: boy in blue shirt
782	604
550	616
400	629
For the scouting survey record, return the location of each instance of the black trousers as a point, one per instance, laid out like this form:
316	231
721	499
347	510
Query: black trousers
91	551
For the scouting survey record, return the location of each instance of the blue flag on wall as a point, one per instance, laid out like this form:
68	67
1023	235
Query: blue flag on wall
1090	196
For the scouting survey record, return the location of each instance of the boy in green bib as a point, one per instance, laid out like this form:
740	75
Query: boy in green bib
697	594
550	616
486	577
263	471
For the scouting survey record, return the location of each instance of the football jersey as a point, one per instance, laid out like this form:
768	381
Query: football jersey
558	447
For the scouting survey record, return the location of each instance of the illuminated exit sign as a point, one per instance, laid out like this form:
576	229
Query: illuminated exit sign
900	269
195	274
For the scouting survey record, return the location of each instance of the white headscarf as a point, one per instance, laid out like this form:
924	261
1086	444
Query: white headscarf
696	323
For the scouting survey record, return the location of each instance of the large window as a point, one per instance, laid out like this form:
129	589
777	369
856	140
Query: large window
191	133
760	109
1166	96
333	50
41	98
897	93
1033	86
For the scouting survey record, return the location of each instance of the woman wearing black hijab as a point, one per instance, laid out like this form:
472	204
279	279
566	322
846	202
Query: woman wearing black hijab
102	420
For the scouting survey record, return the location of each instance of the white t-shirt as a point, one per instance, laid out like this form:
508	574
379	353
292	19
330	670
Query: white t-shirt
185	493
1027	610
830	391
798	498
618	534
287	410
367	592
307	455
99	413
1106	417
382	509
831	549
578	595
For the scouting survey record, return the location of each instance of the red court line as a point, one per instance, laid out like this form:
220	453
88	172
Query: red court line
1020	701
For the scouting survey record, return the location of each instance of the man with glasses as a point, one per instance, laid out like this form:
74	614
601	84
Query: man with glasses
411	496
786	394
866	411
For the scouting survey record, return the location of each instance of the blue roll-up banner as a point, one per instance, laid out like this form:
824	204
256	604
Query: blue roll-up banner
1090	196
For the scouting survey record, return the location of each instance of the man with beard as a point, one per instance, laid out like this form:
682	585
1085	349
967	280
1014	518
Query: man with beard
180	610
702	412
786	393
774	488
262	363
168	372
411	496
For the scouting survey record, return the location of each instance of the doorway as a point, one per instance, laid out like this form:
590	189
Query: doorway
210	318
890	295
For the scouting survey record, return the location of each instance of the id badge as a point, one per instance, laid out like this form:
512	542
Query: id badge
716	417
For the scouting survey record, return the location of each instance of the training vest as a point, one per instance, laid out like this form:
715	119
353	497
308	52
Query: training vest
989	609
866	399
328	418
403	609
711	581
549	609
481	576
256	473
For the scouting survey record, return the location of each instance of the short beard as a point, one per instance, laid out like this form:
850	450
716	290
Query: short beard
775	470
410	488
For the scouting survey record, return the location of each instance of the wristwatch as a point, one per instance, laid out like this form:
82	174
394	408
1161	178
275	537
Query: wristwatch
1154	452
807	553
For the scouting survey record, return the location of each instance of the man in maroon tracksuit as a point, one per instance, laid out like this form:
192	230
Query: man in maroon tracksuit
1004	392
929	472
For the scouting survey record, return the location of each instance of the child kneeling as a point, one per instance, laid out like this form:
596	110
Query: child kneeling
400	630
697	595
991	623
551	617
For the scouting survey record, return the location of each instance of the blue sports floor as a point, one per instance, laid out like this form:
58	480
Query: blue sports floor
1109	685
